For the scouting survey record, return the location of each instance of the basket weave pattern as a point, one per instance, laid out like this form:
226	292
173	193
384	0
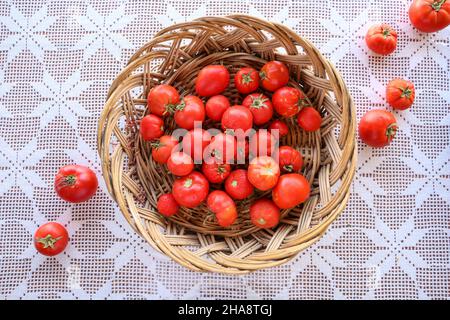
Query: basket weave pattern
175	56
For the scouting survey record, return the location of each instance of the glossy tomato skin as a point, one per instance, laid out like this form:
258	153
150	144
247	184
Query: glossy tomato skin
274	75
288	101
162	148
223	206
189	111
216	173
238	186
291	190
246	80
167	205
191	190
289	159
400	94
51	239
195	142
377	128
264	213
162	99
222	149
260	107
381	39
237	117
309	119
75	183
263	173
216	106
212	80
180	164
152	127
430	15
262	143
281	126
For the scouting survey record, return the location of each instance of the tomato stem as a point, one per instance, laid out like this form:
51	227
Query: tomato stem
406	92
188	183
259	102
438	4
386	32
69	180
247	77
48	241
288	168
391	131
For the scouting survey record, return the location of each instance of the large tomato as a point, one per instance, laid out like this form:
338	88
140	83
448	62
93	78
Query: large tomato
222	149
216	173
288	101
264	213
162	99
238	186
309	119
263	173
400	94
223	206
237	117
216	106
195	142
152	127
377	128
212	80
75	183
191	190
189	111
289	159
51	239
262	143
430	15
381	39
180	164
167	205
260	106
291	190
162	148
246	80
274	75
279	125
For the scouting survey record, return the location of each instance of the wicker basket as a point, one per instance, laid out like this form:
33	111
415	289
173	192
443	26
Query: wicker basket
174	56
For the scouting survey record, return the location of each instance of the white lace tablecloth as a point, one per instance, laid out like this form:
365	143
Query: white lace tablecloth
57	60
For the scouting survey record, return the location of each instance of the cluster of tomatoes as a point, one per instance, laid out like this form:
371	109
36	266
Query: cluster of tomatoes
243	155
377	128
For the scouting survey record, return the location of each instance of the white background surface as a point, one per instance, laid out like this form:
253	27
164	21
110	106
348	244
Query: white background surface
57	60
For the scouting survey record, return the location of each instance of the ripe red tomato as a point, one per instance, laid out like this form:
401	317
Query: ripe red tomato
400	94
262	143
260	106
162	148
162	99
195	142
246	80
222	149
264	213
212	80
167	205
216	173
180	164
190	110
237	117
381	39
289	159
291	190
238	186
263	173
430	15
216	106
223	206
152	127
309	119
274	75
377	128
281	126
51	238
75	183
287	101
191	190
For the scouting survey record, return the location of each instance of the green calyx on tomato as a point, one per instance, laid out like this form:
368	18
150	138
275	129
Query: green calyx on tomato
438	4
391	131
69	180
180	106
247	78
259	102
234	183
406	92
386	32
288	168
48	241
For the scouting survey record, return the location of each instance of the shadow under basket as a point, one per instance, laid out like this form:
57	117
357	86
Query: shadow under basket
174	56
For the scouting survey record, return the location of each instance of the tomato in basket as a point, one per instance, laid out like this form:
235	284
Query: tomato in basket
162	148
246	80
237	117
309	119
281	126
189	111
212	80
216	106
260	107
191	190
288	101
216	172
167	205
238	186
291	190
263	173
180	164
289	159
162	99
264	213
274	75
152	127
223	207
